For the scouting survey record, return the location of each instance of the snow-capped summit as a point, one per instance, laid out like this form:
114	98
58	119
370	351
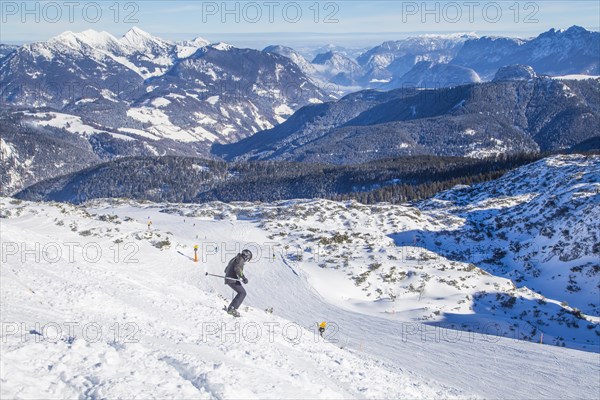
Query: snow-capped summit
196	42
457	35
141	40
439	48
134	40
222	46
186	48
92	38
136	32
572	31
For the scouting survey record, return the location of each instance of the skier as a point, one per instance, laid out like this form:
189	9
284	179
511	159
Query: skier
233	273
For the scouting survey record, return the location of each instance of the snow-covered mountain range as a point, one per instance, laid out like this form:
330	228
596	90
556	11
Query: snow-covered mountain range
141	85
459	58
381	66
555	52
407	318
92	97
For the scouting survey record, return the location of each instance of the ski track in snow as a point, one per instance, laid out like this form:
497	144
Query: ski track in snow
171	309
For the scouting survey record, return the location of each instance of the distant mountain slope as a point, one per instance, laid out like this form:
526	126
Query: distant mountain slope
6	49
293	55
306	125
437	48
428	74
42	145
336	63
590	145
471	120
29	155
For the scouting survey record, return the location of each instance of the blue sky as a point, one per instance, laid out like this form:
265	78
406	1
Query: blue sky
258	23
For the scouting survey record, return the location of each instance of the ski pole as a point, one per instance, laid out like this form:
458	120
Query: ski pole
225	277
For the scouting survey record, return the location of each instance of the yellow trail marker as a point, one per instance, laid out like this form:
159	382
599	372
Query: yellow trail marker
322	327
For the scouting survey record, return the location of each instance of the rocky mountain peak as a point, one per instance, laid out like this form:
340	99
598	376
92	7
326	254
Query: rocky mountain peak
517	72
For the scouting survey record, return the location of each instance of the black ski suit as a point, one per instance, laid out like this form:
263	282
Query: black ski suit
235	270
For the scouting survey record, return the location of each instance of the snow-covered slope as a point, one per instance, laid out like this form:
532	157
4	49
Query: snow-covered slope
156	318
163	333
520	251
538	226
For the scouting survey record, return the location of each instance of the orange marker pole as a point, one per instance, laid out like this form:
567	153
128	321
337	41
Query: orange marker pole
196	253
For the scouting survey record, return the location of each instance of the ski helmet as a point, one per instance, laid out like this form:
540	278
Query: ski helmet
247	254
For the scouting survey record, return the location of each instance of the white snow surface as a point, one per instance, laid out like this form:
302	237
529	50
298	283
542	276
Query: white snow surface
165	308
69	122
161	125
97	305
153	327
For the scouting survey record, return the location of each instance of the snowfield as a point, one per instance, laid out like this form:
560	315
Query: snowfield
97	305
71	123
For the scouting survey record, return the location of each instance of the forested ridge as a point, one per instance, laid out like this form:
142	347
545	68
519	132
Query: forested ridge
188	179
